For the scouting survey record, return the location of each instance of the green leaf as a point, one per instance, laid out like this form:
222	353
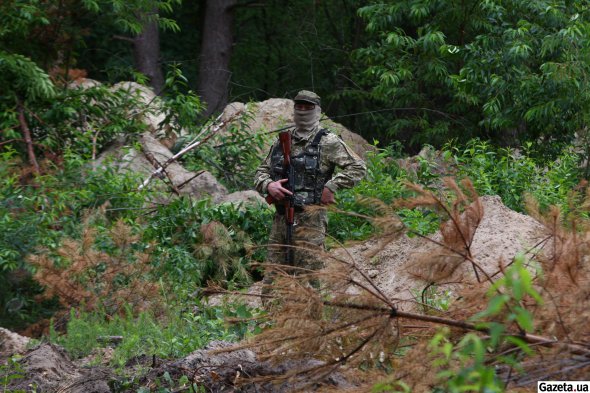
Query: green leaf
524	318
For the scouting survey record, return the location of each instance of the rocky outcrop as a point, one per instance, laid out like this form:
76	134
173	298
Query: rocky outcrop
151	112
144	162
275	113
260	117
245	198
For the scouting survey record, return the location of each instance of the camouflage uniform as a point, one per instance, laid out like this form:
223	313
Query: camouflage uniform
310	224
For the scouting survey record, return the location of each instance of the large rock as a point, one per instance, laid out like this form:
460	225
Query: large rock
275	113
244	198
143	163
190	183
151	111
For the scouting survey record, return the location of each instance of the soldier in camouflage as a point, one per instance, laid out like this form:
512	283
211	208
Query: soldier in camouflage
315	154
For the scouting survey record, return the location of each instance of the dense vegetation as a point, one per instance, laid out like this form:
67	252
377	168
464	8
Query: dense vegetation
498	88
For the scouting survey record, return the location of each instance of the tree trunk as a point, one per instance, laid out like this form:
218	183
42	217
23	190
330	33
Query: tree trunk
216	48
146	52
27	136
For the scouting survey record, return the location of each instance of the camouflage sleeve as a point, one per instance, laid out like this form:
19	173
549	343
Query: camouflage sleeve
352	167
263	174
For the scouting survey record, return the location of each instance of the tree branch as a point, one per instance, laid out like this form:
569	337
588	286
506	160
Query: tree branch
191	146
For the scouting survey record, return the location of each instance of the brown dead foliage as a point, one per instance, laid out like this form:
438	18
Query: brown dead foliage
464	213
564	277
349	323
81	275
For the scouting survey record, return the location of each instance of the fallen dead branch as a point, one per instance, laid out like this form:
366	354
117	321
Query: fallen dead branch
349	320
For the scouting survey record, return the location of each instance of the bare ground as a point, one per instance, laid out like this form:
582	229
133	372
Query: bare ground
501	235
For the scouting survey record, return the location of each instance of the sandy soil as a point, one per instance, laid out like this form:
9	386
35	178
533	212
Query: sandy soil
502	234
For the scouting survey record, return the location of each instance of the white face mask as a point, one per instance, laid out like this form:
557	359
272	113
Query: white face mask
307	120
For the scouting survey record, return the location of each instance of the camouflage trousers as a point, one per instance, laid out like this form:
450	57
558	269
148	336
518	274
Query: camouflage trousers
309	233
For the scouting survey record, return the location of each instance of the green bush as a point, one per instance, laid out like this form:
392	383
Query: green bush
178	332
511	173
473	361
385	183
181	252
40	214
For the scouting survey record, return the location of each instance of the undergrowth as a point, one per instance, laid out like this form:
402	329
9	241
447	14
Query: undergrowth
180	330
512	173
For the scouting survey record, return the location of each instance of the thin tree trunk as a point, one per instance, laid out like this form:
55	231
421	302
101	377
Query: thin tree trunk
27	136
146	52
216	49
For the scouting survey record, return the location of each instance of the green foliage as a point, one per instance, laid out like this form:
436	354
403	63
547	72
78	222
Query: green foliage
40	215
233	161
182	106
180	331
466	365
188	255
23	78
85	120
511	173
433	298
384	183
513	70
10	371
470	354
394	387
507	294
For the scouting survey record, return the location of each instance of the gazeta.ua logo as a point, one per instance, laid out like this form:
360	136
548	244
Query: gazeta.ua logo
563	386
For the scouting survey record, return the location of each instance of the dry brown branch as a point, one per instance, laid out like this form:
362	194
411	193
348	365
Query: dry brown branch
348	319
89	278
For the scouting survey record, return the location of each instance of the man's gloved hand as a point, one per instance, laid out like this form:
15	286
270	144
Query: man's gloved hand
277	191
327	197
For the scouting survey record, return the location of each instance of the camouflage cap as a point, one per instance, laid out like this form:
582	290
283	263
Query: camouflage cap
308	96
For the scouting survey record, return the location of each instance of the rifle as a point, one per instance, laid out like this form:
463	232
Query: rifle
289	201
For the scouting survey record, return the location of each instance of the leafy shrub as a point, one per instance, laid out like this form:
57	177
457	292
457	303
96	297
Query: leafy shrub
233	161
384	182
46	211
468	363
514	71
510	173
185	249
10	371
180	331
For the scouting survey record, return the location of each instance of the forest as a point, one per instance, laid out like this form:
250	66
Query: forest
132	244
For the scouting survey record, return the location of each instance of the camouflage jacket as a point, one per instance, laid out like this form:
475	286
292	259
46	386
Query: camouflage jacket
334	154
